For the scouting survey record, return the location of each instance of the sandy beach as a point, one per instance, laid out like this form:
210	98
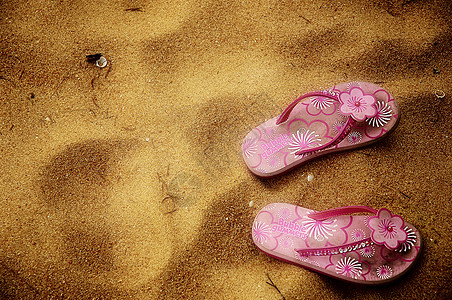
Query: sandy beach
127	181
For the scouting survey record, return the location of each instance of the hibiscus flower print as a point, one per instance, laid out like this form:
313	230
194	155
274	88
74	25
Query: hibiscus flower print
387	229
349	267
303	139
384	114
357	104
261	232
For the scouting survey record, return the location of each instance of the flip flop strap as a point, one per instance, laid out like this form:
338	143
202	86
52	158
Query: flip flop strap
285	114
345	130
347	210
340	211
335	212
335	250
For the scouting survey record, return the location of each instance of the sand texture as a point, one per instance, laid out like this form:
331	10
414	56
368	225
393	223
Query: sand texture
127	182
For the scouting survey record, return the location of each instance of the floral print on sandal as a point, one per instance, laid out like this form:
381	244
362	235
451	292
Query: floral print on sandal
344	117
363	249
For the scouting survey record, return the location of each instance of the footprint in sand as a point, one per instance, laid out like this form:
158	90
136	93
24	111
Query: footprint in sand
105	197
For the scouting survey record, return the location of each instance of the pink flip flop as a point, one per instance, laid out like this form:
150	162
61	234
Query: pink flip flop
349	115
372	249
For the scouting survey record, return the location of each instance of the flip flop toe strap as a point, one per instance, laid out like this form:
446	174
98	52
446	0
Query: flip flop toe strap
341	211
345	130
386	229
285	114
355	104
340	135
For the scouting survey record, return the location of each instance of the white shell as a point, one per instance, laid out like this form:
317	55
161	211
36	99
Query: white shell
101	62
440	94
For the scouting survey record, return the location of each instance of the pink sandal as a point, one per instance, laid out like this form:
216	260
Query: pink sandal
350	115
362	249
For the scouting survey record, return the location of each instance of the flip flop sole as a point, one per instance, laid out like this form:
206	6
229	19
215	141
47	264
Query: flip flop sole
270	149
281	230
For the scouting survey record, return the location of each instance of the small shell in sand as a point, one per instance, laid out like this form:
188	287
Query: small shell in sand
101	62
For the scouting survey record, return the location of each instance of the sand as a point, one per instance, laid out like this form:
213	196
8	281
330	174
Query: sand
127	181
